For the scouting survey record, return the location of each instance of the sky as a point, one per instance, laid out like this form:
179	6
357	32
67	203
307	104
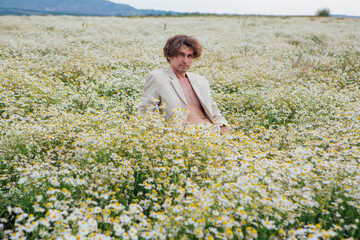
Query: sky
263	7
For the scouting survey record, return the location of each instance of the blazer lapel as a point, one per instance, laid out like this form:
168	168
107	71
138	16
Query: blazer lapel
176	84
197	91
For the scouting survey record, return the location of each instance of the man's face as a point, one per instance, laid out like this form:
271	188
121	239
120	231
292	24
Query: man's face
182	62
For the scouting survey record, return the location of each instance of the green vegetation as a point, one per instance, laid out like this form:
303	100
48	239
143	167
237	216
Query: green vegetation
323	12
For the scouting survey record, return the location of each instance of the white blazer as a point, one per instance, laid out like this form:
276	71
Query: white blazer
163	88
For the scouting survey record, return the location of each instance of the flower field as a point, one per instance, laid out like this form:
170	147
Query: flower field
77	160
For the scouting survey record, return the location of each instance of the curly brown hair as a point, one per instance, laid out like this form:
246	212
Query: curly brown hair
173	44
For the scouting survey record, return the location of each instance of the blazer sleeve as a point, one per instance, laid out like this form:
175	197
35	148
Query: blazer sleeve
218	117
151	96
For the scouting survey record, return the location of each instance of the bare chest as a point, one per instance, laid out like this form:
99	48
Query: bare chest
190	94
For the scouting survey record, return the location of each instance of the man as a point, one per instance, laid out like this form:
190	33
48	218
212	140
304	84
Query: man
187	96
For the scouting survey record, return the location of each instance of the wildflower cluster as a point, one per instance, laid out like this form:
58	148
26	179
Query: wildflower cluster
77	160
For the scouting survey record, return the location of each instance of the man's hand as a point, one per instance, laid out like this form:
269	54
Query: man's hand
224	130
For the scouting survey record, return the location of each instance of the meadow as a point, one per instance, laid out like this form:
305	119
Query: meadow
77	160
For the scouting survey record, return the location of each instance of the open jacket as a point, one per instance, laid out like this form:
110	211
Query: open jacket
162	88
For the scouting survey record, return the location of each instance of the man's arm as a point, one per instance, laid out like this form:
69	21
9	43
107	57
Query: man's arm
218	117
151	96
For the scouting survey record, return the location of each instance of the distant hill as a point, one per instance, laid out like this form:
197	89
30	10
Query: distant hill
343	16
72	7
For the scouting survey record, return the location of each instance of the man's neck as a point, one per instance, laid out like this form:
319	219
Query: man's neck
182	77
179	75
